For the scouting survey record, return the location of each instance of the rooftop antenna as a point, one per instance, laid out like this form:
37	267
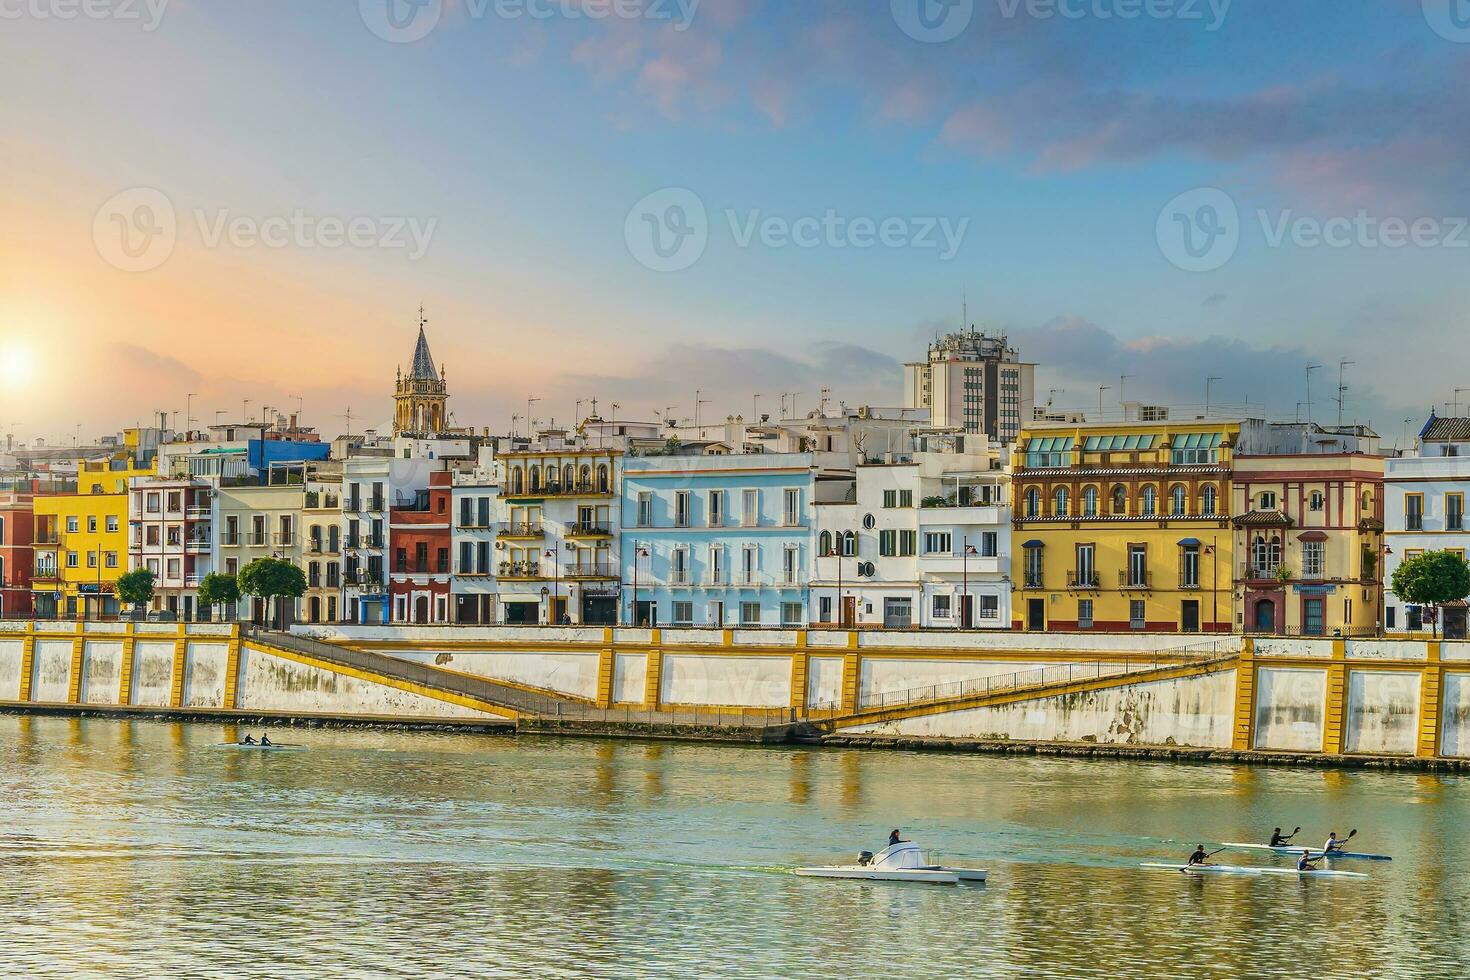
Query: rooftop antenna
347	417
698	402
1310	369
530	421
794	396
1100	390
515	426
1458	391
1122	380
1342	388
1208	382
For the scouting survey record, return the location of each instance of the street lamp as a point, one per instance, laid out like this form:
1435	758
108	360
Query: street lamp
556	588
966	550
638	552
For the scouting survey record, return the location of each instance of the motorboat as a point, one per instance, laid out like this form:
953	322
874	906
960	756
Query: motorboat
904	861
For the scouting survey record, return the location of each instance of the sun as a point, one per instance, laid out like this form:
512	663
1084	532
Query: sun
17	364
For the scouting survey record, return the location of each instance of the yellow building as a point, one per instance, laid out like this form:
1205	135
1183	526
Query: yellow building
81	542
1124	526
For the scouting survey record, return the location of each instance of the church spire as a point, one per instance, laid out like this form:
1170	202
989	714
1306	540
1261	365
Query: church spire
423	361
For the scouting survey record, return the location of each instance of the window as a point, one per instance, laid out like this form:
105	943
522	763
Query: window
150	535
91	524
679	566
1089	502
1150	501
824	609
887	543
1034	567
990	607
890	498
1120	501
152	503
849	544
1033	502
1316	500
681	508
111	559
1086	566
91	559
1454	512
71	525
1189	568
1177	497
1059	503
792	614
466	557
1137	618
716	508
749	564
791	513
1138	566
1388	616
1413	618
750	508
1266	501
71	559
938	543
175	501
1313	558
683	613
989	544
791	565
941	607
717	564
173	568
1051	451
750	614
1207	501
1084	614
1196	449
645	509
905	498
908	543
824	544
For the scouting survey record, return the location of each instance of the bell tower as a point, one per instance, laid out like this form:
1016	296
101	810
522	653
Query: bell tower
421	395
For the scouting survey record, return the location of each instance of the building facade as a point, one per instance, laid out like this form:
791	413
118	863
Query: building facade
81	542
557	544
717	540
974	383
322	546
170	533
1424	510
419	537
259	522
475	505
17	525
1123	526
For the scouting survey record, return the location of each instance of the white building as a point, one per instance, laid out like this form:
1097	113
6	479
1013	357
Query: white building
923	540
475	504
1424	510
370	485
974	383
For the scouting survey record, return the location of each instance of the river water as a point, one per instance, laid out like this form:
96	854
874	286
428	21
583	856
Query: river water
142	849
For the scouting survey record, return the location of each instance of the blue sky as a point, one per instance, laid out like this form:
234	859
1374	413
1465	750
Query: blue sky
1056	140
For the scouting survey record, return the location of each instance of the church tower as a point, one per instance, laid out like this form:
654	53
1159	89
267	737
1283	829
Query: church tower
419	402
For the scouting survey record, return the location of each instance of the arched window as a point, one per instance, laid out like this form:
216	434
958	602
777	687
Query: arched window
602	481
1368	500
1316	500
1176	500
334	539
1089	502
517	480
585	477
535	479
1033	502
824	543
849	544
1150	502
1059	502
1207	502
1120	500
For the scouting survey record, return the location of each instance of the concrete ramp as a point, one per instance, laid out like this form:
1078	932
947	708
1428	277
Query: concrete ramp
992	692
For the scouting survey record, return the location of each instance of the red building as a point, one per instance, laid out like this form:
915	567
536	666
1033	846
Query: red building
17	524
418	553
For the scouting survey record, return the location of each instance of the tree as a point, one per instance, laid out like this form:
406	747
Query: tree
272	578
218	589
1432	579
135	588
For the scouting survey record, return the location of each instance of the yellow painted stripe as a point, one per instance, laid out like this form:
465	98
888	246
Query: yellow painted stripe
125	671
27	665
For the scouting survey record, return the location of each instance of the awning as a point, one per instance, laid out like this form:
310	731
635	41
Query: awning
1189	542
1312	536
520	598
1034	543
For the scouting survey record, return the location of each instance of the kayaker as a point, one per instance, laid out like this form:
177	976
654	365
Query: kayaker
1198	857
1333	844
1304	863
1278	839
893	838
248	740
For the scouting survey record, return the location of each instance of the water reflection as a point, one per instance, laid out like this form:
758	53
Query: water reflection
135	848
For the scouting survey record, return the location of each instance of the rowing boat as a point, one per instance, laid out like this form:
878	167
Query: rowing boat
273	747
1315	854
1236	869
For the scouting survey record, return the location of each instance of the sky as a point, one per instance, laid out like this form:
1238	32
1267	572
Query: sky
213	207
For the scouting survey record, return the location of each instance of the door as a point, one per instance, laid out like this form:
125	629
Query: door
1036	615
421	609
897	613
599	610
717	612
314	609
1454	622
559	611
1189	616
1314	617
849	611
646	613
1265	619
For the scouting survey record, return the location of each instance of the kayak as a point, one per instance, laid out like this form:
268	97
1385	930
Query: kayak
273	747
1315	852
1235	869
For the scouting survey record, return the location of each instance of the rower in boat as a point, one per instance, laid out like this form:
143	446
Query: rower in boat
1333	844
266	739
1304	863
1197	859
1278	839
248	740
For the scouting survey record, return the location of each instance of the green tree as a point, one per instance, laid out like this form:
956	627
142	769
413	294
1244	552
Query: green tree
218	589
272	578
1432	579
135	588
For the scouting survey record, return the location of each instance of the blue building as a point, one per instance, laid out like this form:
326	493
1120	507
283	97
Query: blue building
717	540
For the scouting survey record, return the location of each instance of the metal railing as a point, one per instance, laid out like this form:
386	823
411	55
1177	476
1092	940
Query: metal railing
1134	579
1077	580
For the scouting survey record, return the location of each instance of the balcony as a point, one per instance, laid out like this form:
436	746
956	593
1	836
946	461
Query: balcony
1080	580
421	568
522	570
592	570
588	530
1034	580
316	500
1134	580
962	565
523	529
229	540
196	546
475	524
283	539
1260	571
256	540
44	576
932	515
364	580
46	537
1188	583
578	489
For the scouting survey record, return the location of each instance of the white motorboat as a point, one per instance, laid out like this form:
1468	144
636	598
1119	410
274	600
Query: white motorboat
903	861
